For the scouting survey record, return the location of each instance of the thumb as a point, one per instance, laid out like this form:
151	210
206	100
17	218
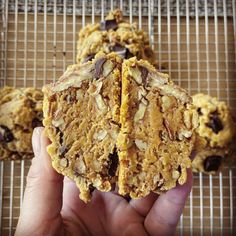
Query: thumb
43	194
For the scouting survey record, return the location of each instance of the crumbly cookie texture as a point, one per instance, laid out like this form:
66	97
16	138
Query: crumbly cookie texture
114	35
81	113
157	132
20	113
214	135
145	148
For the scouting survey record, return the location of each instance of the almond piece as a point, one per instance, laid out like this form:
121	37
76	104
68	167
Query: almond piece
136	74
108	66
79	94
175	174
58	122
141	145
141	112
64	162
100	103
100	135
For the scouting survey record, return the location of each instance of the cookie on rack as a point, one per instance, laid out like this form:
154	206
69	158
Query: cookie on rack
214	135
157	131
114	35
81	113
20	113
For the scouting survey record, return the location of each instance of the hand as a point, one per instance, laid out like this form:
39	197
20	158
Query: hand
51	205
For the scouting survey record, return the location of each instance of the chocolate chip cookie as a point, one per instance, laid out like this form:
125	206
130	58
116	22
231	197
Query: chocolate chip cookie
214	135
145	148
20	113
114	35
156	136
82	121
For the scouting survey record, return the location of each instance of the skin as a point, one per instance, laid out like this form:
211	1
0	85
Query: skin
51	205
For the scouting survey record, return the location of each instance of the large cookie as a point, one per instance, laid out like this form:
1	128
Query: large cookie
114	35
83	122
156	136
214	134
20	113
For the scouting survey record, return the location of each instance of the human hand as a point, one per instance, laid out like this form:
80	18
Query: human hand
51	205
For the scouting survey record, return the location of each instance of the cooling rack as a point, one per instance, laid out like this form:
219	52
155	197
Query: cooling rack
194	40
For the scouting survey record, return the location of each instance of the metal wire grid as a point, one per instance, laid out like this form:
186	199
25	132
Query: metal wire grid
199	53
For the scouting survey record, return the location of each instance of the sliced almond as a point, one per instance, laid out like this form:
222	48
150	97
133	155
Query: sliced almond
175	174
80	166
136	74
195	120
64	162
79	94
187	119
100	103
58	122
98	87
141	145
142	92
184	133
100	135
107	68
168	102
140	113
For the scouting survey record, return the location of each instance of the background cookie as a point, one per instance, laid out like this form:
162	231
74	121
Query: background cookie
20	113
213	145
114	35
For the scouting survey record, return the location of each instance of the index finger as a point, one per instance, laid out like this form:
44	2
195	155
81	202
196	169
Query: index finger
166	211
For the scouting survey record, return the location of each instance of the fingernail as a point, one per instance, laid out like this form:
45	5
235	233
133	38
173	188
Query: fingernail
36	141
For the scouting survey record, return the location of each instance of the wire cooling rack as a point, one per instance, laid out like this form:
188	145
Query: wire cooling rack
194	40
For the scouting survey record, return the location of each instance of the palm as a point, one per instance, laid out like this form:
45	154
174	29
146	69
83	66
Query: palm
106	214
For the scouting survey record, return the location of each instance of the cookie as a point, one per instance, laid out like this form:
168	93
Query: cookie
20	113
156	137
114	35
81	113
214	135
143	148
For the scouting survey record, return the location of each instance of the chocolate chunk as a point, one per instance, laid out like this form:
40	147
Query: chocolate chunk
91	188
215	123
5	134
128	54
113	159
121	51
144	74
36	123
199	111
108	24
62	151
212	163
98	67
127	197
89	58
179	169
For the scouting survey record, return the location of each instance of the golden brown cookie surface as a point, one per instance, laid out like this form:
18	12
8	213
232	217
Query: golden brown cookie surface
156	136
114	35
20	113
214	135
